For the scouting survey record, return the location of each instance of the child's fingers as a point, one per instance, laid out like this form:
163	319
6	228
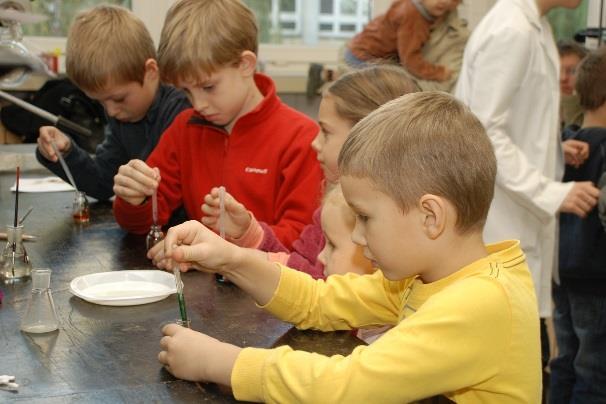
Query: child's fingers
211	200
210	210
163	358
209	221
168	330
164	342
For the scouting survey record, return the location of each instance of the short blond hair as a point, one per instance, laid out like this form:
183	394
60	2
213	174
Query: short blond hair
107	45
425	143
201	36
359	92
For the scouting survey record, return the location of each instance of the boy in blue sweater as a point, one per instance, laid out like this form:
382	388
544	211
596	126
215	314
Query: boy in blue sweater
578	373
112	58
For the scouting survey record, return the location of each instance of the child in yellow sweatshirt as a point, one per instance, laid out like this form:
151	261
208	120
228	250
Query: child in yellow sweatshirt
419	173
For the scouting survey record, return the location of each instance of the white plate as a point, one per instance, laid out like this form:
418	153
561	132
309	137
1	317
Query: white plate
124	288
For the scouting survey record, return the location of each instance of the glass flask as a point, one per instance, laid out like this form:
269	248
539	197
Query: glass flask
40	315
15	265
81	211
154	236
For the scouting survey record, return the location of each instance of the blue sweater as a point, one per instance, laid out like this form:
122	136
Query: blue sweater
124	141
583	241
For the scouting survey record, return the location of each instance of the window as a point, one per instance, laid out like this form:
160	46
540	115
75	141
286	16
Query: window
309	21
61	13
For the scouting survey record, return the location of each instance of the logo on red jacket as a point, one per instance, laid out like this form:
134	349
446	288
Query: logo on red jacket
254	170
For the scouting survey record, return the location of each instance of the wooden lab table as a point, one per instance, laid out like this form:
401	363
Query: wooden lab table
108	354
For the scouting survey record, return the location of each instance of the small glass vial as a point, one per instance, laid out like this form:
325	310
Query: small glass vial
154	236
15	265
81	211
41	315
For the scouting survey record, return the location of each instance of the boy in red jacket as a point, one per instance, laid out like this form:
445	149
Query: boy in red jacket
400	34
238	133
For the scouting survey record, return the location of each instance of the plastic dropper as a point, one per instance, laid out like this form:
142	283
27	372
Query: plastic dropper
64	165
221	278
222	212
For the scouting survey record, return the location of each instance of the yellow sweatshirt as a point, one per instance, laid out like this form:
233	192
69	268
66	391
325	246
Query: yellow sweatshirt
472	336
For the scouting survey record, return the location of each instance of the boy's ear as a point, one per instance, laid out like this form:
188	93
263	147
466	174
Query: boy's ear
435	215
151	68
248	63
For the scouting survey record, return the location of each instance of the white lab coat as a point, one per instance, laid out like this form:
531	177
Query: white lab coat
509	80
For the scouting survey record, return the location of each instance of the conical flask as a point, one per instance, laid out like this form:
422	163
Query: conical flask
40	316
14	262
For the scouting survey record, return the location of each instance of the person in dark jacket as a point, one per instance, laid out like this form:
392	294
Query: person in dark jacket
578	374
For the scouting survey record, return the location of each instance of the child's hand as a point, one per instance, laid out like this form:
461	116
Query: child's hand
191	244
48	134
575	152
194	356
237	218
136	181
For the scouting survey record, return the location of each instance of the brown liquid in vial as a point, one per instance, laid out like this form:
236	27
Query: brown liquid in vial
82	217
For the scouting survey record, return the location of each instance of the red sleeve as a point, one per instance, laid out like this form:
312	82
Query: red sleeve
412	34
299	194
138	219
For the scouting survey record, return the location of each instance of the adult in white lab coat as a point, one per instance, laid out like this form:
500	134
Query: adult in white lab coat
509	80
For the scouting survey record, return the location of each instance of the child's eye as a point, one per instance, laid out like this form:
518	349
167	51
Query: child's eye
362	218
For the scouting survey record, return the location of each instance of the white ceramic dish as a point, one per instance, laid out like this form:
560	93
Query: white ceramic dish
124	288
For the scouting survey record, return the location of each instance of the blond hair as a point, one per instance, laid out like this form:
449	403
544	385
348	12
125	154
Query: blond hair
425	143
200	36
334	197
359	92
107	45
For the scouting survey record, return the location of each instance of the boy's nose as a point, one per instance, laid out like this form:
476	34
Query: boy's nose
357	235
199	105
111	110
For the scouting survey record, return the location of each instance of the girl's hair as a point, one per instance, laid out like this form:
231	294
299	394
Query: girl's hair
333	195
359	92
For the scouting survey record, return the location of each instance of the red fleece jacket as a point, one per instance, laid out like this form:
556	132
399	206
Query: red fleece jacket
266	163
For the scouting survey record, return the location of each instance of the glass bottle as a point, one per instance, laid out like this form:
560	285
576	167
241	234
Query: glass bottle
15	265
40	315
81	211
154	236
